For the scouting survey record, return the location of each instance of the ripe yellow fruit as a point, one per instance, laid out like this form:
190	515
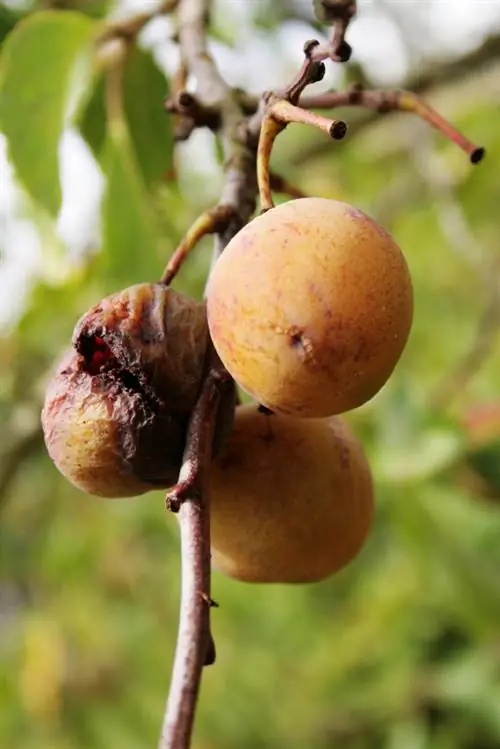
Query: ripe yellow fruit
291	499
310	307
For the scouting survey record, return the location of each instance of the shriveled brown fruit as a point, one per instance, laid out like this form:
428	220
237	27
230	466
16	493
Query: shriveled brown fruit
291	499
117	408
310	307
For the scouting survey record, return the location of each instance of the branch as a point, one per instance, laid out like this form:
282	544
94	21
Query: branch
339	13
279	109
386	101
190	498
439	74
128	28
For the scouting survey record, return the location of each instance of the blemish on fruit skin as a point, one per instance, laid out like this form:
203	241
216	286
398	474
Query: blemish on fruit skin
302	344
358	214
344	457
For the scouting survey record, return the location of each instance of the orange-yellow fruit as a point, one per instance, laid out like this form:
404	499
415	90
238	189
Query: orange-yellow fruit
291	499
310	307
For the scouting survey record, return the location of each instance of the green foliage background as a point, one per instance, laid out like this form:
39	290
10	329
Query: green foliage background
399	651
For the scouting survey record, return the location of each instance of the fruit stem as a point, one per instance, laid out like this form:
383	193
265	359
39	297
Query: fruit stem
280	113
269	131
212	221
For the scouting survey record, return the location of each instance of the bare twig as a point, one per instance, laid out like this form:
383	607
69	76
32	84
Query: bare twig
435	75
213	221
195	647
280	108
338	13
190	498
129	28
386	101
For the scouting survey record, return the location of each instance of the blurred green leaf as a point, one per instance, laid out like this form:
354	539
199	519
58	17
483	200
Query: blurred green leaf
36	71
150	127
421	457
131	236
91	121
8	20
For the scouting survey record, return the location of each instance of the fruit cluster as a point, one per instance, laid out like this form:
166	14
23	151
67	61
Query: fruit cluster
309	308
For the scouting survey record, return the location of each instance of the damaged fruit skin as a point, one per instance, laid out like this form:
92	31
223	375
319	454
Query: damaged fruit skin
117	408
291	500
107	439
310	307
156	334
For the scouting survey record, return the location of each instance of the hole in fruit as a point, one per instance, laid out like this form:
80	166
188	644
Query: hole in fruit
96	353
296	340
129	380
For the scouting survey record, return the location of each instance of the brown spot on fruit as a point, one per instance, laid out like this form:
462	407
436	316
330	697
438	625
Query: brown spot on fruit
313	321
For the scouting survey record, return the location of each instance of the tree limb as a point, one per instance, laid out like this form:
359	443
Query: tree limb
190	497
436	75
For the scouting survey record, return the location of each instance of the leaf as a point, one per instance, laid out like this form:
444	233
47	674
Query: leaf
8	20
144	90
36	79
130	231
92	120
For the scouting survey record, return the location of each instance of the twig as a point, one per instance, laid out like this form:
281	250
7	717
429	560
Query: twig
485	336
129	28
190	498
387	101
436	75
280	109
191	114
213	221
195	647
339	14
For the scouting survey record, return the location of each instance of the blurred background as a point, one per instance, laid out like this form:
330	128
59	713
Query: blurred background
402	649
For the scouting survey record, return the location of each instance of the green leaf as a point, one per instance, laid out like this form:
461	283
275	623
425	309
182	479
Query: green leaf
37	68
144	90
130	230
8	20
91	121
